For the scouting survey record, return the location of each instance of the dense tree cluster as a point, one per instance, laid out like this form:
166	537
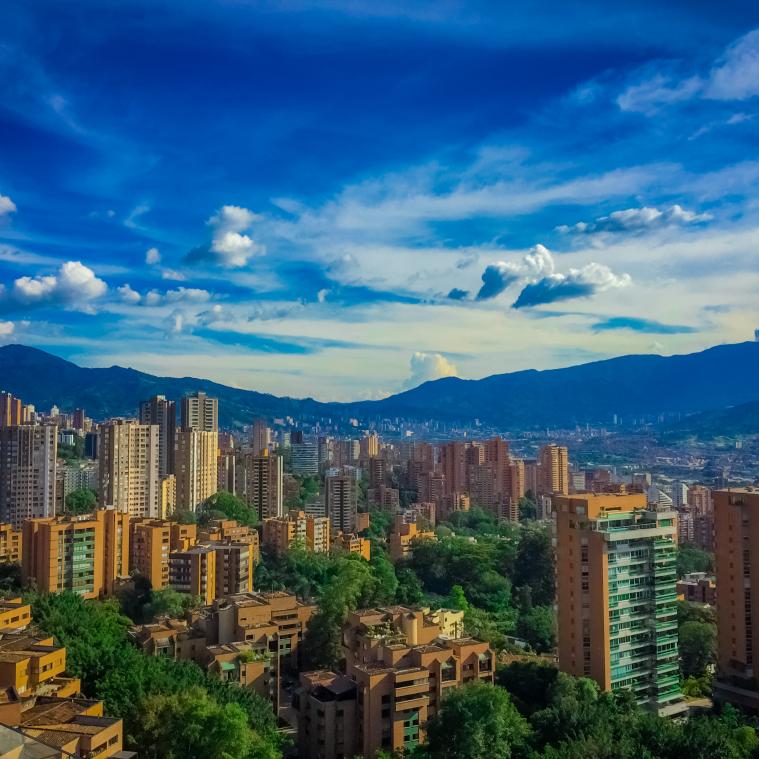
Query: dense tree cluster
170	709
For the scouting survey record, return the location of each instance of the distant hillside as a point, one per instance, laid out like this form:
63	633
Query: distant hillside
741	420
43	379
628	386
720	377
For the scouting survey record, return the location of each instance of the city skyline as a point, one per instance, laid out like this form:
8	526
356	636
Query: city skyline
344	200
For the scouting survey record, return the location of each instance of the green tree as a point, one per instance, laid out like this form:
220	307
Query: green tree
231	507
533	565
476	721
83	501
693	559
190	723
409	590
536	627
698	647
457	599
528	509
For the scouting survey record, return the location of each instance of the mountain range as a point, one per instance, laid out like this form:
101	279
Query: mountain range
628	386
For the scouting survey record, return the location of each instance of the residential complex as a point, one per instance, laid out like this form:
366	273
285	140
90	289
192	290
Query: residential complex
400	662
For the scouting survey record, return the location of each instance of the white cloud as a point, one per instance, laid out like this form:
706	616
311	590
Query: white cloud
650	95
156	298
736	74
321	296
131	220
75	285
429	366
6	329
231	246
173	275
541	283
128	295
6	205
637	219
153	256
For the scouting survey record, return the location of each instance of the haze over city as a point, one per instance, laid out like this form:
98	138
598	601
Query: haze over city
345	199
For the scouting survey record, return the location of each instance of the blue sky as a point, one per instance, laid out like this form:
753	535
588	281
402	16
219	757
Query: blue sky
343	199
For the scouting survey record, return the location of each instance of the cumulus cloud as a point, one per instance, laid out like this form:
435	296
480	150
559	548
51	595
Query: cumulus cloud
576	283
231	245
73	286
500	275
153	256
429	366
321	296
156	298
6	205
7	329
128	295
637	220
541	283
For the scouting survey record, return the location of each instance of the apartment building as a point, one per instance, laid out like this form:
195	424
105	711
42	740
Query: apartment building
28	466
259	481
163	414
129	455
193	571
402	536
736	544
199	412
341	501
195	467
312	533
11	544
615	594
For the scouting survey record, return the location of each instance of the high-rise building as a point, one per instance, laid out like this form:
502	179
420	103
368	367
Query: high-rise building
341	502
279	533
259	481
199	412
615	593
79	420
453	461
163	414
369	446
11	410
736	548
554	470
305	458
196	468
129	467
28	462
259	437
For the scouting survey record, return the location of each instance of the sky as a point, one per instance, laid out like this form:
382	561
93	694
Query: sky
345	199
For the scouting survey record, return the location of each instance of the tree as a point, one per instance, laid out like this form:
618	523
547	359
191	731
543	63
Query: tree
81	501
698	647
528	509
536	628
457	599
231	507
409	590
476	721
693	559
189	723
533	565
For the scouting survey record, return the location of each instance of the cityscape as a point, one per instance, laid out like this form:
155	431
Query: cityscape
342	586
379	379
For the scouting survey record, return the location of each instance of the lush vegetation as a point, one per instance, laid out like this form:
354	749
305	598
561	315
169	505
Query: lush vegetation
83	501
170	709
224	505
693	559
